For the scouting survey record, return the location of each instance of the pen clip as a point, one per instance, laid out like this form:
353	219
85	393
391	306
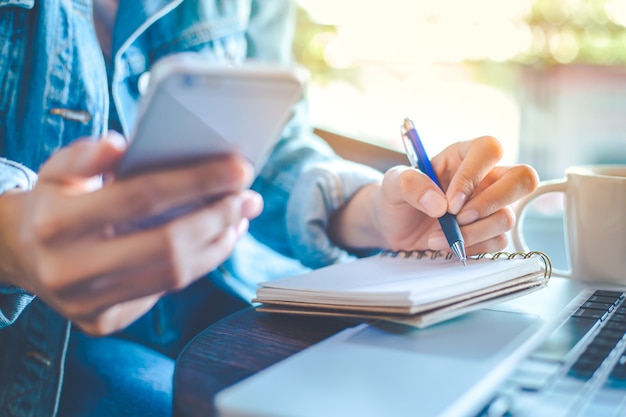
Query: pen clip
409	148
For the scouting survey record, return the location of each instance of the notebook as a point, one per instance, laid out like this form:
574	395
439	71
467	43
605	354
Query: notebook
418	288
558	352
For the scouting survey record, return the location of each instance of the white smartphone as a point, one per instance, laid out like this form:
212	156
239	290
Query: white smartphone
194	109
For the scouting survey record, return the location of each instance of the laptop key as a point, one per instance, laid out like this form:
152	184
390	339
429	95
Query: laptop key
584	368
617	377
610	334
598	306
590	313
606	293
616	325
621	318
604	299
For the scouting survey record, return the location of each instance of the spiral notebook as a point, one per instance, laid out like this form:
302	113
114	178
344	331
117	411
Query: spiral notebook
417	288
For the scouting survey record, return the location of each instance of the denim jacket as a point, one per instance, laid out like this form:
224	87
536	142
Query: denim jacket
55	87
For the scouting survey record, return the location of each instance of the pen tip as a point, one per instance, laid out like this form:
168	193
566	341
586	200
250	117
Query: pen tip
459	251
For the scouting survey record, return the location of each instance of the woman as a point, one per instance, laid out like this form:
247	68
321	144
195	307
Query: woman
71	72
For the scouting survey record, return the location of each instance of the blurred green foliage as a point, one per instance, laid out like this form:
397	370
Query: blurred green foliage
563	32
311	38
576	31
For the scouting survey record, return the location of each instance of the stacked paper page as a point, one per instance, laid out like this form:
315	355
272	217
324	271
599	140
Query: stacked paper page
393	287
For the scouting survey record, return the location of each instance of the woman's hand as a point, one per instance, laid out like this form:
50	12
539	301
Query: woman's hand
402	211
59	240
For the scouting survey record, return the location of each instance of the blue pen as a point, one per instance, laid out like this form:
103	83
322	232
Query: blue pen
419	159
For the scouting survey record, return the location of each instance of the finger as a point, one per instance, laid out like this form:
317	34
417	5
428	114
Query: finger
170	242
502	187
483	230
489	227
115	318
409	185
83	159
495	244
148	262
477	158
163	276
154	193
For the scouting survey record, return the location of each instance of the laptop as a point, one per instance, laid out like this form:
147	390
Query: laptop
555	352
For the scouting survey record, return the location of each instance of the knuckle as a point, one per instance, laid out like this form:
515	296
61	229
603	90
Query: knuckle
143	195
396	170
501	242
175	278
467	183
53	277
233	174
491	146
406	179
75	310
508	218
98	326
238	170
395	176
175	270
46	225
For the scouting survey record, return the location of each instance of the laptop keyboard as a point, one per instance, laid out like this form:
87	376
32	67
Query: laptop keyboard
578	371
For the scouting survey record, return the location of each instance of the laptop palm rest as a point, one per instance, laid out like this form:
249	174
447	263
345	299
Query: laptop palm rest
464	337
448	369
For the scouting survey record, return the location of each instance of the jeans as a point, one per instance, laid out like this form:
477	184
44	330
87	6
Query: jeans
115	377
130	373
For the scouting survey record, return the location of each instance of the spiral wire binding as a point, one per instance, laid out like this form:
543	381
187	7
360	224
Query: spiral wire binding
434	254
417	254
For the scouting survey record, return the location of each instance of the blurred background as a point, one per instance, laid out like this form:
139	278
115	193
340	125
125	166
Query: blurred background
546	77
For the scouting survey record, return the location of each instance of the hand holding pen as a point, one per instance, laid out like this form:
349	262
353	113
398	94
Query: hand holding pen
407	210
419	159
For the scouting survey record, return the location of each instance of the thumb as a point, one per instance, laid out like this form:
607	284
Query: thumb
84	159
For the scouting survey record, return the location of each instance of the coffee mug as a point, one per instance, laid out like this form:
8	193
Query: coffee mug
594	220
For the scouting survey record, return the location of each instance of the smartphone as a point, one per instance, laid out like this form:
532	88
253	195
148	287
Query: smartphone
194	109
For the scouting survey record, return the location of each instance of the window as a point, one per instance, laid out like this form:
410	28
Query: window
546	77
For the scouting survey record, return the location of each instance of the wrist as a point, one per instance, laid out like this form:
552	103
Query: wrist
14	179
9	257
353	225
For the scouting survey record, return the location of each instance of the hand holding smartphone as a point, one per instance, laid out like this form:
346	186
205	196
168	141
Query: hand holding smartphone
196	109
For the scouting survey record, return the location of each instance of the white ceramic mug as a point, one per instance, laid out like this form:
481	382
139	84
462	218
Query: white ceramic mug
595	221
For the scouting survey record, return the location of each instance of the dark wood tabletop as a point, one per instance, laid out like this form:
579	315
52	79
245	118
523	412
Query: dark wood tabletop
237	347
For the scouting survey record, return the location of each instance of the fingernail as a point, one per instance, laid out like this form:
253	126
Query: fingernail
467	217
242	227
251	205
437	241
93	183
116	140
433	203
457	203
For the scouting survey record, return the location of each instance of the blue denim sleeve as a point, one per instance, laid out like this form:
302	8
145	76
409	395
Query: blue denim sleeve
302	184
13	300
321	189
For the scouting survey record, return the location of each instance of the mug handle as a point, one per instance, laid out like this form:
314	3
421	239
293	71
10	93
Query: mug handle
545	187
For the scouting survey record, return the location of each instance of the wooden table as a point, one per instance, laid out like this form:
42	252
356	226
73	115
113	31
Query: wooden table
237	347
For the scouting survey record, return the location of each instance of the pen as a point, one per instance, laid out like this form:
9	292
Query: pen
418	158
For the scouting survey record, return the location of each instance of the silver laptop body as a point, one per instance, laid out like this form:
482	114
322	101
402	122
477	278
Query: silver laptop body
483	363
